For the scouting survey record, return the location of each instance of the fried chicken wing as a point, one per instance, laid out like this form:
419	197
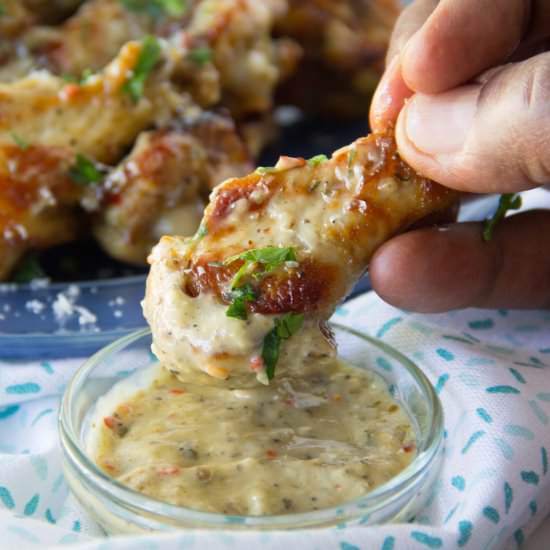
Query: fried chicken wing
288	240
46	124
97	118
344	46
161	186
38	201
224	42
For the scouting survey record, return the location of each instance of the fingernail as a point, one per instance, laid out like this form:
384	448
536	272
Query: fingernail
389	96
439	124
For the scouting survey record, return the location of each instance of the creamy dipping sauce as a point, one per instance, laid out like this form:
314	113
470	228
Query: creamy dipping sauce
296	445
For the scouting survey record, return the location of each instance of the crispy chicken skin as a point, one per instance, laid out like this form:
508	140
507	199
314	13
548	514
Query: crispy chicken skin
45	123
38	201
96	118
161	186
235	33
333	214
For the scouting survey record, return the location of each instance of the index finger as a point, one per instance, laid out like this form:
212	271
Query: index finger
392	91
461	39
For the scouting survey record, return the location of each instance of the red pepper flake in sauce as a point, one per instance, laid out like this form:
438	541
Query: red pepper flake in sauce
109	466
271	454
177	391
68	92
168	471
115	425
409	447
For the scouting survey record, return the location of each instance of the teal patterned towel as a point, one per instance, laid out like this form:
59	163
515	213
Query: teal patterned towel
489	367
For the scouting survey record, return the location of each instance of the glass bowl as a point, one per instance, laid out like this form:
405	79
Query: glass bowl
119	509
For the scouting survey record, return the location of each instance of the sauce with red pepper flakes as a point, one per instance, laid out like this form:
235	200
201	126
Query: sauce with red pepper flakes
300	444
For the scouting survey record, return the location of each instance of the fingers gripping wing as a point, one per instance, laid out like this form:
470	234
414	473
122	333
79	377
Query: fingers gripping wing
292	239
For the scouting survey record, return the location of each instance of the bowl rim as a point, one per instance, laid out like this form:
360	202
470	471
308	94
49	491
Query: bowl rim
368	503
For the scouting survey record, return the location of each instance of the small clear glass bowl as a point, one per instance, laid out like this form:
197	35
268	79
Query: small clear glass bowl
119	509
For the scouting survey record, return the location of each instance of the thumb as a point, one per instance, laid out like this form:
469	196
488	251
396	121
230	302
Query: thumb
493	136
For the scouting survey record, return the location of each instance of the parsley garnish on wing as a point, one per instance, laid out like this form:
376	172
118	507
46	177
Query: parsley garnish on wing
85	172
317	159
240	296
148	58
156	8
202	231
508	201
19	141
82	79
284	328
268	259
201	55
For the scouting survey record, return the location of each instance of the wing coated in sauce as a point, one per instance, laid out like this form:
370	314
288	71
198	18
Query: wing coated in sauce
332	214
162	185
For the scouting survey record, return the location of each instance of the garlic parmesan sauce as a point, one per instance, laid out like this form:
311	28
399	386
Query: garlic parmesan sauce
299	444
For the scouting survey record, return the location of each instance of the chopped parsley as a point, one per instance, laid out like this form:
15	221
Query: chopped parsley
28	270
201	55
82	79
156	8
508	201
19	141
85	172
202	231
148	58
269	258
284	328
316	160
240	296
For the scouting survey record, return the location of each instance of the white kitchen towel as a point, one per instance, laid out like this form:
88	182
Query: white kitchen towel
490	368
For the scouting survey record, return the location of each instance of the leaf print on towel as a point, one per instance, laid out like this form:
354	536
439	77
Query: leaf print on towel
508	496
427	540
8	411
465	529
473	438
20	389
482	324
6	498
530	477
387	326
445	354
502	389
32	505
491	514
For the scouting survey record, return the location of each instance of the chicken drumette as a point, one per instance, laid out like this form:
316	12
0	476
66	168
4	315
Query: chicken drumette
277	249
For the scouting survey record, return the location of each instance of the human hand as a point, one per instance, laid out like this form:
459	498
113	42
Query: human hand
477	118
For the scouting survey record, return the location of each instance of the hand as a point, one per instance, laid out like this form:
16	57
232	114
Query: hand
468	90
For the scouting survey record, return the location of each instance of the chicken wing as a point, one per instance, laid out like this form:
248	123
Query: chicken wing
161	186
38	201
47	125
284	241
226	41
344	46
97	118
